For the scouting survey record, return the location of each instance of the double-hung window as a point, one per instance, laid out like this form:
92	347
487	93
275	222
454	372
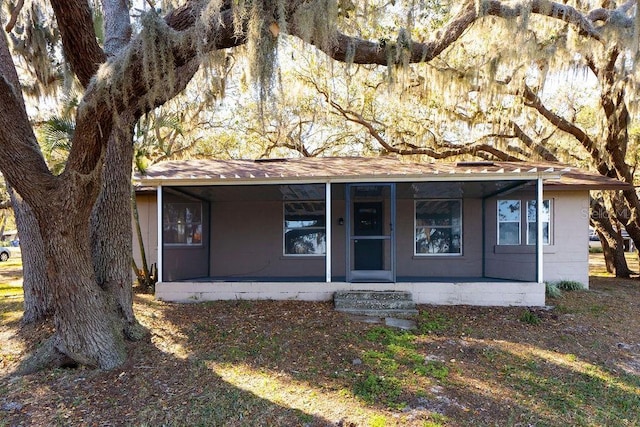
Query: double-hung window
182	224
510	218
304	228
438	227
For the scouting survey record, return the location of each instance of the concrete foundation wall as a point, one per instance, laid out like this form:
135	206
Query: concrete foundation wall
443	293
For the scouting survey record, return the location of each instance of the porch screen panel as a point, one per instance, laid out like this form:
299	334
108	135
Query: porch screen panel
438	229
182	223
304	228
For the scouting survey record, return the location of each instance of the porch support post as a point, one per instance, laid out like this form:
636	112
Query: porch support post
328	227
539	236
159	213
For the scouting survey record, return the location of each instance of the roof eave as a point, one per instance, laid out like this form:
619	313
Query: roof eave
277	180
560	186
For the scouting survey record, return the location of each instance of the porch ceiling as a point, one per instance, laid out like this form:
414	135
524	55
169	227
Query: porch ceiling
416	190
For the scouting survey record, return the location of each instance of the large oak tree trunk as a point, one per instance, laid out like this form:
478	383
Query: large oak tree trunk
611	240
15	123
35	283
613	251
625	205
87	330
111	232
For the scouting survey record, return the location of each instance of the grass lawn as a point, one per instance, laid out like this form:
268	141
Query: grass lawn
243	363
11	290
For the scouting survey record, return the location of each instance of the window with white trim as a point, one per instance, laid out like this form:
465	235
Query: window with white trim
182	223
509	215
304	228
438	227
532	225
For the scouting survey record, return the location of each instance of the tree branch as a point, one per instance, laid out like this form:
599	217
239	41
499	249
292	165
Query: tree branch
105	96
441	150
617	15
117	25
532	100
359	51
450	149
14	16
578	20
539	149
81	48
21	160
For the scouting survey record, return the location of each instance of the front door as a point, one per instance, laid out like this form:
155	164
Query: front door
370	232
367	222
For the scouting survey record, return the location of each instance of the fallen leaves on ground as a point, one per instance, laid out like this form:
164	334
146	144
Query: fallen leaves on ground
244	363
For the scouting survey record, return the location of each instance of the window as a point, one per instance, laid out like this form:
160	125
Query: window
304	228
510	217
182	223
438	229
509	214
532	231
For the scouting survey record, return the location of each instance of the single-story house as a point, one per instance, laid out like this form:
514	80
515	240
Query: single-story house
449	233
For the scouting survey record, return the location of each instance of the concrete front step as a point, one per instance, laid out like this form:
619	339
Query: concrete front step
376	303
397	313
377	295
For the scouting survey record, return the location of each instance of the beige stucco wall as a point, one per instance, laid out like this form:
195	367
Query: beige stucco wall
570	261
148	214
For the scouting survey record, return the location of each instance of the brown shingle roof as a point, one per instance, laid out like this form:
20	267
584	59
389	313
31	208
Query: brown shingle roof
346	169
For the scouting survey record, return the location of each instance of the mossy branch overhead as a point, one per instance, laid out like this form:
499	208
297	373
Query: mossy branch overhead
199	27
146	73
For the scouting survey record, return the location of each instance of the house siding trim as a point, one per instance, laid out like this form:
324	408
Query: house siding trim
539	225
160	241
328	230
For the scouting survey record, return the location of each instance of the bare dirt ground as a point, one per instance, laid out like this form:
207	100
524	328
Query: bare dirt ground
292	363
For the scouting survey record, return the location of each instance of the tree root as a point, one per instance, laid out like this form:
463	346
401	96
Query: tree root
134	331
47	356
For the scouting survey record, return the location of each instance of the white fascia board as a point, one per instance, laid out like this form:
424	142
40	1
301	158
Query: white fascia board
479	176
